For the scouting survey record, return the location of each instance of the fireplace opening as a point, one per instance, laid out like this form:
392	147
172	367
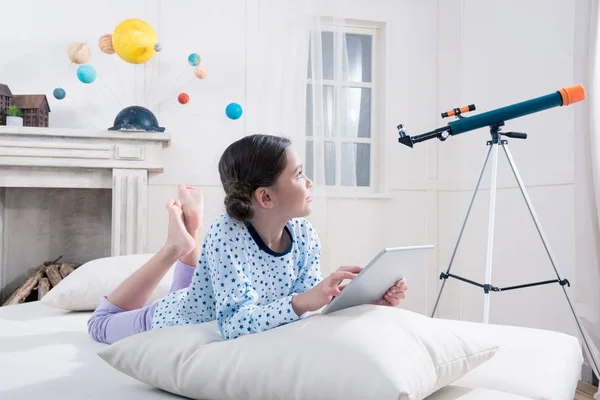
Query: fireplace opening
47	232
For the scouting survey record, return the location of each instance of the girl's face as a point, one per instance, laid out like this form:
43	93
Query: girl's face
291	192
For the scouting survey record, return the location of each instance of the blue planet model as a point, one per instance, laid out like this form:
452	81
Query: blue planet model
233	111
59	93
86	73
194	59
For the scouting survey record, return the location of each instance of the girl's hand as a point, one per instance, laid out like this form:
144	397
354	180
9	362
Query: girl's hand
325	291
393	296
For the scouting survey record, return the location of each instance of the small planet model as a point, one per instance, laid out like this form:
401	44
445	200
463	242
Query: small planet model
78	53
194	59
86	73
183	98
105	44
201	71
134	40
233	111
59	93
158	47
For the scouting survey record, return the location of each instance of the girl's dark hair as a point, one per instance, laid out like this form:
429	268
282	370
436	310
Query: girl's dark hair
247	164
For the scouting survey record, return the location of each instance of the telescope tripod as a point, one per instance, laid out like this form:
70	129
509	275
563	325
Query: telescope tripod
493	147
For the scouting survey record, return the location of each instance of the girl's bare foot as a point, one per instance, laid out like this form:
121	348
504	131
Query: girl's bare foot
192	204
179	241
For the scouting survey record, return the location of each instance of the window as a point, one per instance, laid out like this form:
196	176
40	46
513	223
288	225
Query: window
343	104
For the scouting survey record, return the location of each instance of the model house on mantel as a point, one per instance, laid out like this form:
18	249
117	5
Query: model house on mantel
35	107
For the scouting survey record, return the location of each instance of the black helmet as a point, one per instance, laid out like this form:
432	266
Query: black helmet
136	118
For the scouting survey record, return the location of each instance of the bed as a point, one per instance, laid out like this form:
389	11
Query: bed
46	352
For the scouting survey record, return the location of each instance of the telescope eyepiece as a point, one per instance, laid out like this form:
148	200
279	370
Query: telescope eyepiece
401	130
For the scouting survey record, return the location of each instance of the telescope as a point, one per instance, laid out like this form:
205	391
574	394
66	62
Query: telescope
495	118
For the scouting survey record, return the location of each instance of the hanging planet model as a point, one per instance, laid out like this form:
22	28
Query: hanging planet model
78	53
105	44
134	40
86	73
183	98
233	111
194	59
59	93
201	72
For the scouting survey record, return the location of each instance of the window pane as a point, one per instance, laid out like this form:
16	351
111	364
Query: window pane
325	69
329	163
322	166
357	57
356	164
309	162
320	110
356	112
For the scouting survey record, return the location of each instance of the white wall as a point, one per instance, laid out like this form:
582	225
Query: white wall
441	54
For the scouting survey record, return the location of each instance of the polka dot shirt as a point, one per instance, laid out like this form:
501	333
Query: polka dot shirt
242	283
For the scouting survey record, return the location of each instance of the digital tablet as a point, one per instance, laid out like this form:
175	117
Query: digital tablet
369	286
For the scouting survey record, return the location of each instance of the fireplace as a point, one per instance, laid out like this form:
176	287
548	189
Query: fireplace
80	194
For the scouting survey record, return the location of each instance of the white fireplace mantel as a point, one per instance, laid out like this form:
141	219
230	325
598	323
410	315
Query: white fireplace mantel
76	158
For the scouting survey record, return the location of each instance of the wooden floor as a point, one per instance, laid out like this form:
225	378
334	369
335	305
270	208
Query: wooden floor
585	391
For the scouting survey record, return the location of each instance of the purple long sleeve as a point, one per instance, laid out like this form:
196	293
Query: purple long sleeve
182	277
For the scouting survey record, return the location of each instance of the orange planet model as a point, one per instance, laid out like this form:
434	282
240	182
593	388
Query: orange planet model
183	98
105	44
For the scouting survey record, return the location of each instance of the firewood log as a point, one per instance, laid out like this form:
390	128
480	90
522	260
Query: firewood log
46	263
53	275
26	287
66	269
43	287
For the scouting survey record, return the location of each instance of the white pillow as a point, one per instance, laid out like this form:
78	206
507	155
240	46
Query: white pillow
82	289
368	351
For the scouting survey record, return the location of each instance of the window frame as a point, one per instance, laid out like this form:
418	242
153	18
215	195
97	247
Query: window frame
377	33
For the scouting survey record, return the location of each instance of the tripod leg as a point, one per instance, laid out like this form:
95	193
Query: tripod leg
593	357
487	156
490	241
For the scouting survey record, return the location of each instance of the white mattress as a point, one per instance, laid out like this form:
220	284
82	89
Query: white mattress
453	392
47	353
534	363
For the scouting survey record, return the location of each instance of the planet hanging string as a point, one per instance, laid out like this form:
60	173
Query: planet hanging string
169	87
144	86
168	104
152	79
172	98
110	99
200	72
118	77
113	93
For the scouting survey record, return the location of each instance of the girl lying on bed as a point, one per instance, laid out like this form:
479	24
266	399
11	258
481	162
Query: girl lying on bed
257	267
